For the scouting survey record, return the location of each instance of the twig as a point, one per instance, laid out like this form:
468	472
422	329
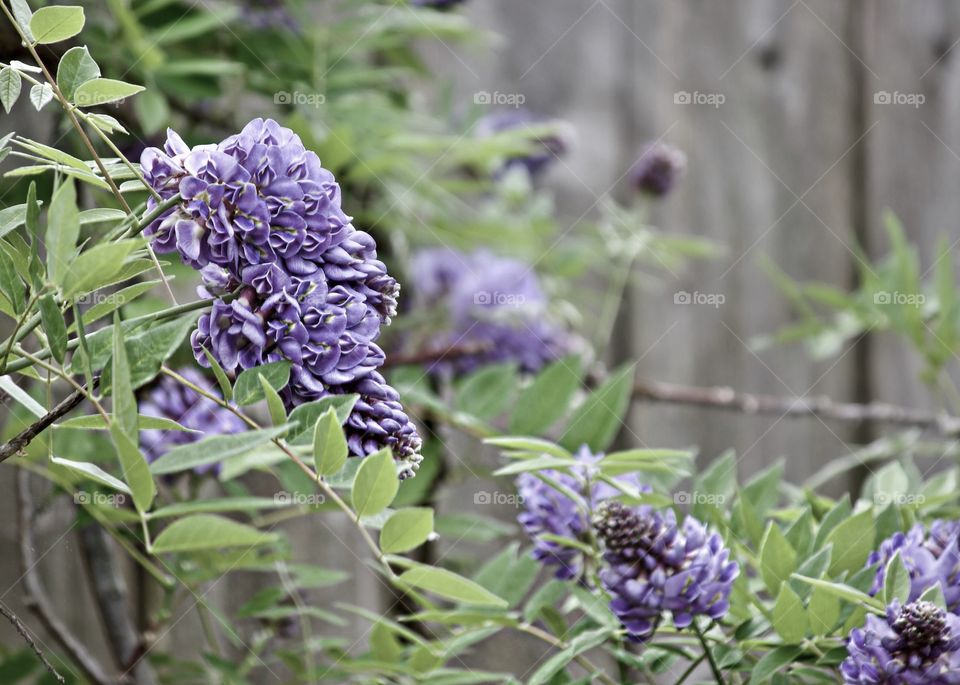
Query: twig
25	634
714	667
37	598
26	436
726	398
432	356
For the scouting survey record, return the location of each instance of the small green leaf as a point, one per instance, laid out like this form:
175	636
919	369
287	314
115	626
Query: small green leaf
789	616
10	84
124	401
96	267
63	229
934	594
329	444
773	661
376	483
76	67
596	422
844	592
93	472
305	416
823	611
248	390
547	398
40	95
213	449
135	470
226	389
208	531
486	393
53	24
54	326
406	529
896	580
451	586
100	91
96	422
777	558
22	13
11	285
852	541
278	415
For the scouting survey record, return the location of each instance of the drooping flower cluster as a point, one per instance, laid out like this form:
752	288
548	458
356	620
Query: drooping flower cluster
260	216
930	557
496	310
659	168
169	399
653	566
914	644
548	149
549	511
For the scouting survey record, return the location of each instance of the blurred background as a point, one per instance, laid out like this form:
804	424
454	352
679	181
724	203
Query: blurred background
801	122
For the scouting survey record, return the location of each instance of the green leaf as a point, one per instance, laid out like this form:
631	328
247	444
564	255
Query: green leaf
305	416
329	444
597	421
54	326
226	389
216	505
96	422
63	229
774	661
934	594
22	13
278	415
11	285
844	592
547	398
823	611
852	543
248	389
76	67
789	616
40	95
376	483
450	586
8	386
96	267
10	84
208	531
406	529
93	472
213	449
100	91
53	24
486	393
896	580
135	470
124	401
777	558
110	303
532	445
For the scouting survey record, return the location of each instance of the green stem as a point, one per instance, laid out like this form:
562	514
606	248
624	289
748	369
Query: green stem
693	667
708	654
556	642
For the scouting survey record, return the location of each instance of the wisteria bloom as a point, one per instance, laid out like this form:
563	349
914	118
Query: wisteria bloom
658	170
930	557
914	644
654	566
548	147
260	217
170	399
495	308
565	512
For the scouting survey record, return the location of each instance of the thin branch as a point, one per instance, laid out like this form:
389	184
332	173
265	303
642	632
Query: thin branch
37	598
726	398
19	442
434	356
25	634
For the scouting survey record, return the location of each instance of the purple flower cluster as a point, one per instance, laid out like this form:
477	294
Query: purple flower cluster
548	148
258	214
659	168
914	644
566	513
169	399
930	557
653	565
495	307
